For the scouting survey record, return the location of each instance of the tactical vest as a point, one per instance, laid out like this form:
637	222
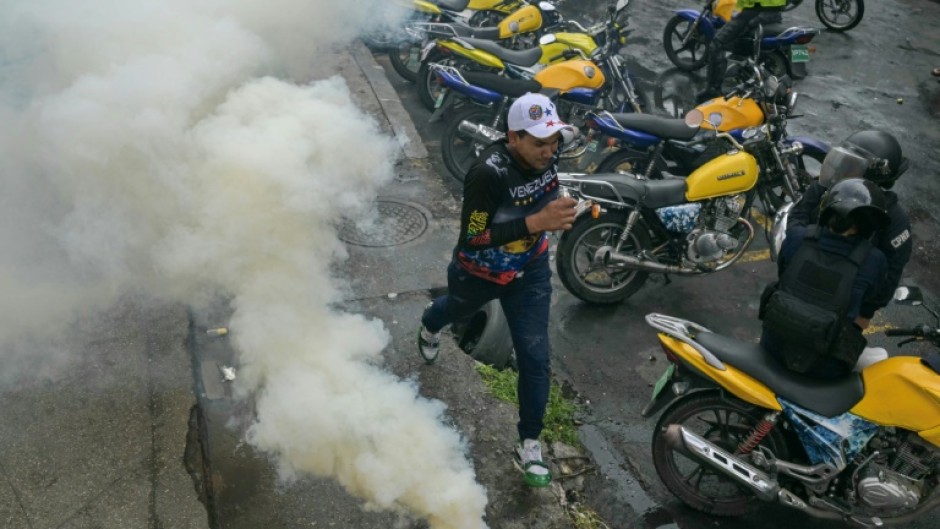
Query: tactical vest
807	308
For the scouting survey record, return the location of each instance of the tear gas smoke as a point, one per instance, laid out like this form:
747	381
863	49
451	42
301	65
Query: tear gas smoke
148	145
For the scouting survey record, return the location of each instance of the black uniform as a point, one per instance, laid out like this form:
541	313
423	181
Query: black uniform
895	241
724	41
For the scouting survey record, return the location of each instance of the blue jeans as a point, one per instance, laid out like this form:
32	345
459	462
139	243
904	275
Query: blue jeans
526	301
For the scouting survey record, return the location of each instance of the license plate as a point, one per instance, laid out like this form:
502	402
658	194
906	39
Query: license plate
663	380
440	99
799	53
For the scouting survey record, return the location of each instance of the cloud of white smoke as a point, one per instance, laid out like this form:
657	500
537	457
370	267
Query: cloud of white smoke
148	145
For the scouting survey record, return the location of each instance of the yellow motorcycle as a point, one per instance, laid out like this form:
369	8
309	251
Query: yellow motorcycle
738	428
687	226
499	21
601	43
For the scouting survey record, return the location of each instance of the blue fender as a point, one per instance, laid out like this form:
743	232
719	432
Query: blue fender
810	145
633	138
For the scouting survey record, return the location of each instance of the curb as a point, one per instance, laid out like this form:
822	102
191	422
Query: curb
402	126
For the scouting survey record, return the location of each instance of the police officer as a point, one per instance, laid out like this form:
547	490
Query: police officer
876	156
828	273
762	11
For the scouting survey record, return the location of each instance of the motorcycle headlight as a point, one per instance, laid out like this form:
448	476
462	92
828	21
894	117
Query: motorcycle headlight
751	133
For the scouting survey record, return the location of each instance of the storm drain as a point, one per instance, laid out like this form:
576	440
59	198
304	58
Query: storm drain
397	222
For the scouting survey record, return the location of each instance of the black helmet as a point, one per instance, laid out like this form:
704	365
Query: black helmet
854	201
884	162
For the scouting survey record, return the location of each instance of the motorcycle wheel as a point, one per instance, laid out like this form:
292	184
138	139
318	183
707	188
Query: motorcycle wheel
627	161
405	59
428	87
840	15
724	421
605	284
485	336
694	54
775	63
807	169
458	150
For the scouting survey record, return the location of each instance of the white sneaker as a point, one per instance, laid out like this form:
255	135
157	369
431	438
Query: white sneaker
428	344
529	459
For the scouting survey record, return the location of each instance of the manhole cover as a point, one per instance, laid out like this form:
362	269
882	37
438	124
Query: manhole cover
396	223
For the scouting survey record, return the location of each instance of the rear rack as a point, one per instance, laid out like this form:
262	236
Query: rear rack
684	331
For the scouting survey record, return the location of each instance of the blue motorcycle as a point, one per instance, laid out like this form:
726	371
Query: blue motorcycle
783	51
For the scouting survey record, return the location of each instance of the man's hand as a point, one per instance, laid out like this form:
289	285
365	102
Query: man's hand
863	323
556	215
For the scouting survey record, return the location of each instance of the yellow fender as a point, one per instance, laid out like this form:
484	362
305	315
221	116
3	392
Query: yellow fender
730	114
476	55
426	7
737	382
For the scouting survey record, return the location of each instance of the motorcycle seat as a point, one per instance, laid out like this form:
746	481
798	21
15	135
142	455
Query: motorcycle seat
666	128
774	30
503	85
828	398
524	58
452	5
654	193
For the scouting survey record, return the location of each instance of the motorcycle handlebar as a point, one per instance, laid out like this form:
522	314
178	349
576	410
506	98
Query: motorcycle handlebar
921	331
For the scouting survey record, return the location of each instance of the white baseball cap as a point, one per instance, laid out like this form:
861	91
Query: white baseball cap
535	114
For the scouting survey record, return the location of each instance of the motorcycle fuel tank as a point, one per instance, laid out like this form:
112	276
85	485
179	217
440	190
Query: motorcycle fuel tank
568	75
902	392
728	174
730	114
524	20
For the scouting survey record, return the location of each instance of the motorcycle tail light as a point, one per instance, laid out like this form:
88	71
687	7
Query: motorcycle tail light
670	354
803	39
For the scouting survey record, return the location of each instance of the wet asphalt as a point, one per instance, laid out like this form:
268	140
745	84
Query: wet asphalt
875	76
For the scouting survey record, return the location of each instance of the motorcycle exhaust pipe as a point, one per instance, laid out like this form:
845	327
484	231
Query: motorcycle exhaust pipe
607	255
480	133
695	447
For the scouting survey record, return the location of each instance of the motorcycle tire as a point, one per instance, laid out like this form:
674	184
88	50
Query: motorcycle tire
724	421
604	285
459	151
485	336
405	59
829	13
674	33
628	161
776	63
775	197
428	87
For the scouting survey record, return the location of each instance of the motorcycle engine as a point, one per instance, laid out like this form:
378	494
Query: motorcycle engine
896	484
711	239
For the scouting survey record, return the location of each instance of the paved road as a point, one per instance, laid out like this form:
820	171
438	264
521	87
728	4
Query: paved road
878	75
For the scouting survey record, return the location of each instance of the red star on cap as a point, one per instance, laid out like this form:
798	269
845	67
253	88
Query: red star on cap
550	123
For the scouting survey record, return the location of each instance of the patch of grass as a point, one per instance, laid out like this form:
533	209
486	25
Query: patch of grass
559	414
583	517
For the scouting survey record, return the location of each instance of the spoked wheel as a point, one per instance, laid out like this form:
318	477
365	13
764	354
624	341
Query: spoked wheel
406	59
686	49
628	161
724	421
459	150
429	89
592	281
840	15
